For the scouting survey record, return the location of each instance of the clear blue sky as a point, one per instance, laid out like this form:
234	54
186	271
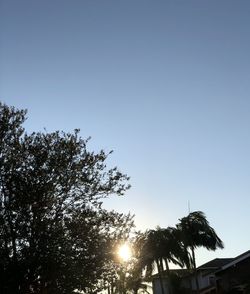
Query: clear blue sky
165	84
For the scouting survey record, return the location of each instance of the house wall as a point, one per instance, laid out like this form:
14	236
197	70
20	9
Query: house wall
205	280
236	275
157	286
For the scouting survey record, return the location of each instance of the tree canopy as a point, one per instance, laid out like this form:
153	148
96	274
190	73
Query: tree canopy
55	235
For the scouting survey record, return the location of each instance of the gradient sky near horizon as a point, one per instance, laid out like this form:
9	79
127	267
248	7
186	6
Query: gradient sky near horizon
165	84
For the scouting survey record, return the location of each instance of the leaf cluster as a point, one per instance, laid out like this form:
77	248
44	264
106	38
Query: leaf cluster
55	236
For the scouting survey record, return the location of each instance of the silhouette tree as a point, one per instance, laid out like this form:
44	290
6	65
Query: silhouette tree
54	234
195	231
161	247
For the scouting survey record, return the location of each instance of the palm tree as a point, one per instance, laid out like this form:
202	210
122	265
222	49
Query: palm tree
195	231
161	246
177	253
152	253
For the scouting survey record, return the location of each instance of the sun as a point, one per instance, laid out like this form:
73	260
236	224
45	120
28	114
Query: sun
124	252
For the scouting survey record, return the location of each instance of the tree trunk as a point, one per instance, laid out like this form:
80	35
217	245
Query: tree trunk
195	272
160	276
170	288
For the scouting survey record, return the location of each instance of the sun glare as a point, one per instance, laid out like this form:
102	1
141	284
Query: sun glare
124	252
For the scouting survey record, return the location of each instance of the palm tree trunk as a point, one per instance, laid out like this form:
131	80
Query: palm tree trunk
160	276
170	288
195	271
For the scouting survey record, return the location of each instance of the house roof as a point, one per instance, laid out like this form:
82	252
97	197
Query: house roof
235	260
215	263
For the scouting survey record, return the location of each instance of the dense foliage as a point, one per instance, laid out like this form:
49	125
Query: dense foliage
55	237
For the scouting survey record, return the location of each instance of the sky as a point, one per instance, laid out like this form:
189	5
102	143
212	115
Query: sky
165	84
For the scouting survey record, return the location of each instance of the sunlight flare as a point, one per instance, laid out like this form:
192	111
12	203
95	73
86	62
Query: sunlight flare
124	252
